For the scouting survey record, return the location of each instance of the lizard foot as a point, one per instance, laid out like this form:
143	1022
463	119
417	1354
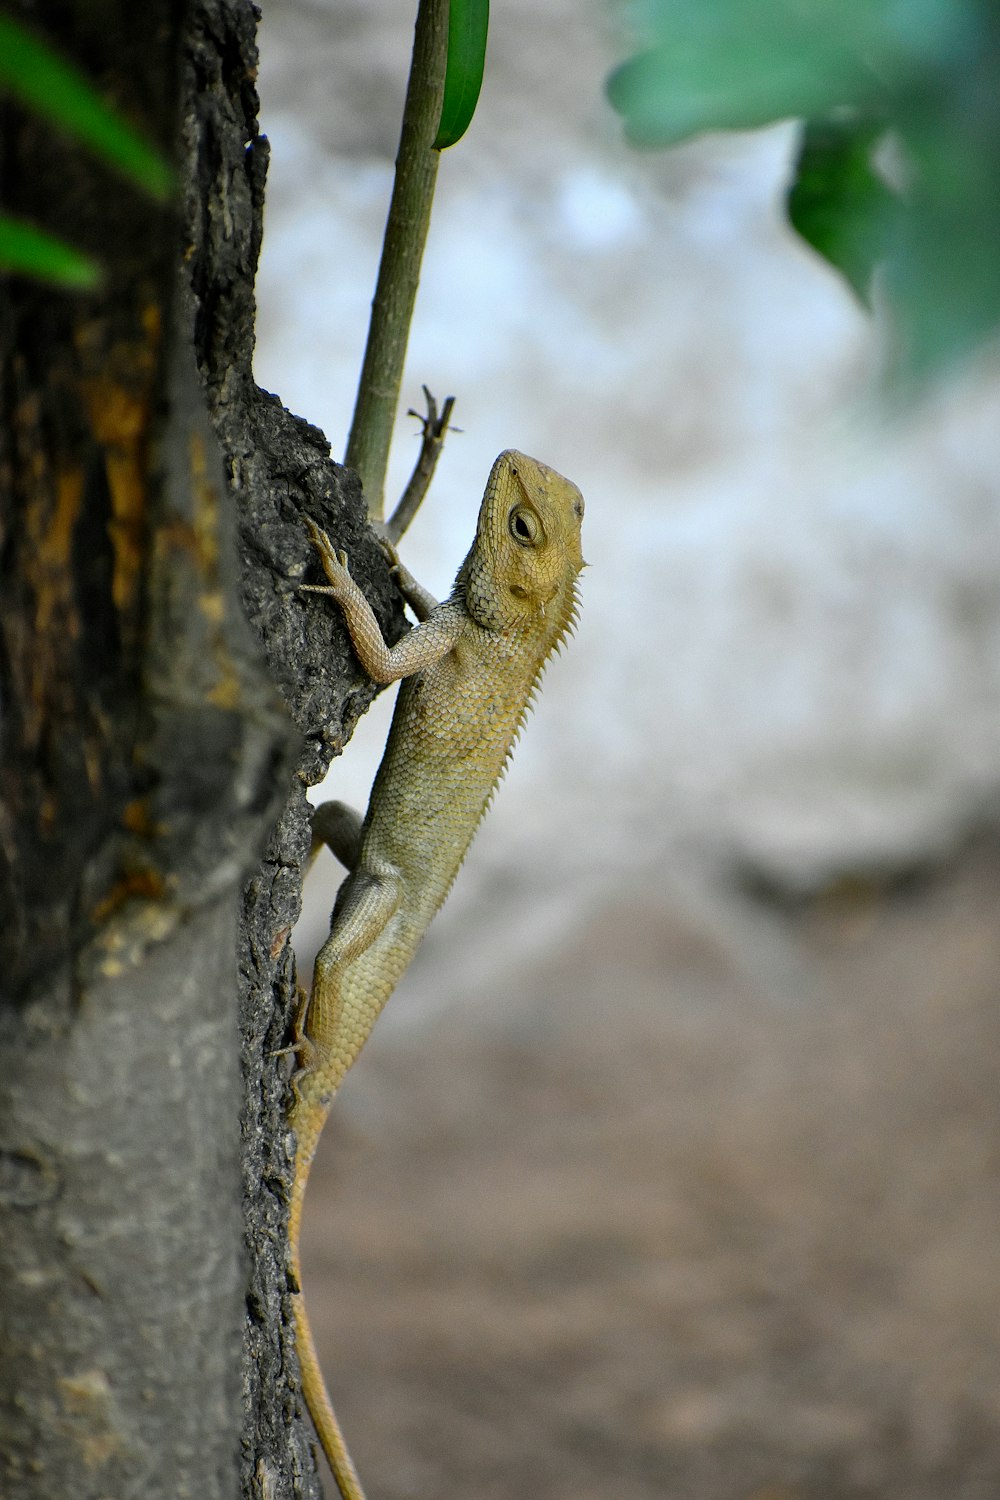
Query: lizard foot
391	555
300	1047
334	562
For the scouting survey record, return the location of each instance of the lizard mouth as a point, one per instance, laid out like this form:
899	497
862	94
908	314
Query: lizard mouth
538	597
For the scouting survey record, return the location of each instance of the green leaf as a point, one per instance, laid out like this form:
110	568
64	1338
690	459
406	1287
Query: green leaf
727	66
941	273
666	95
57	90
738	64
921	74
27	251
468	23
838	202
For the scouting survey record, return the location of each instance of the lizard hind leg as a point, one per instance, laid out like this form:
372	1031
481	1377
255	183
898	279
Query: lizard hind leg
338	827
337	1025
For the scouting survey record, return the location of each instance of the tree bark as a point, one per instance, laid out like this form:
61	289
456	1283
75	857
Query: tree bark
150	503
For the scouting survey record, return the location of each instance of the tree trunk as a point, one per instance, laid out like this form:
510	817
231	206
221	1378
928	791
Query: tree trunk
150	500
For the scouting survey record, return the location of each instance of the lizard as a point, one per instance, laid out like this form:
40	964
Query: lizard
469	670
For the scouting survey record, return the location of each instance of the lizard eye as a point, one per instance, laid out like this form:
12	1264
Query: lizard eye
524	527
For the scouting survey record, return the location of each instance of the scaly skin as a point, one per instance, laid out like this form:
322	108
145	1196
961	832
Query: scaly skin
470	669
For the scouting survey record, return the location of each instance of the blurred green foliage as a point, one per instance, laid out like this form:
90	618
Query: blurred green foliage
53	88
899	161
32	252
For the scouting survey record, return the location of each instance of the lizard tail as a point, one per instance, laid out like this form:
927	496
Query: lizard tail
313	1386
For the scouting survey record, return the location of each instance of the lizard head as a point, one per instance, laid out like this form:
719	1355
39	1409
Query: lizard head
526	556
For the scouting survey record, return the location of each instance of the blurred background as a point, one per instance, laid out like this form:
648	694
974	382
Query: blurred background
671	1169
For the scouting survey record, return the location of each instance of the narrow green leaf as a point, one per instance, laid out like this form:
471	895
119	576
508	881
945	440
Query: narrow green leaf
838	202
468	23
27	251
57	90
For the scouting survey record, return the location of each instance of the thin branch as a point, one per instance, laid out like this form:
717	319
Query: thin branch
402	252
432	441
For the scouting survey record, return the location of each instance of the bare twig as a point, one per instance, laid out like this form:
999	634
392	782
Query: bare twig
435	426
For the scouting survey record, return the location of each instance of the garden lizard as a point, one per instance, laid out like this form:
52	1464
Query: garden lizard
469	670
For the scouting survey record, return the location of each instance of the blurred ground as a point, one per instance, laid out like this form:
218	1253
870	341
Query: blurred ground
661	1229
659	1177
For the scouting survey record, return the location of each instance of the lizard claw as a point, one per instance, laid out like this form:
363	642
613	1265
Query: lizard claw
301	1047
391	555
334	560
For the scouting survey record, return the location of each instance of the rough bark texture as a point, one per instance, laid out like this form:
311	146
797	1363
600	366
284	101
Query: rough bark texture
145	755
142	745
281	469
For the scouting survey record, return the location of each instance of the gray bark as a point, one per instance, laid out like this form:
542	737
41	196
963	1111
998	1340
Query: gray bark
150	503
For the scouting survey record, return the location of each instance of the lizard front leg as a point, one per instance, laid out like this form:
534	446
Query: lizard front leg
420	600
422	647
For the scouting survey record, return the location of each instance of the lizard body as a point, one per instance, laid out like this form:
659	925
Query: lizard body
469	670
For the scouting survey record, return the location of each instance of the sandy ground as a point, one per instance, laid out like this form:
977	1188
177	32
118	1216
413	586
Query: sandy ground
711	1212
